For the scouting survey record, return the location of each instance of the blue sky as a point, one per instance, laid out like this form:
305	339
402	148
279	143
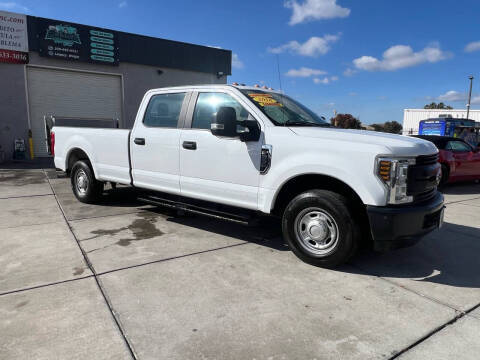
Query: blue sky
370	58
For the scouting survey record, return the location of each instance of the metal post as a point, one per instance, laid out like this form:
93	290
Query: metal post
469	95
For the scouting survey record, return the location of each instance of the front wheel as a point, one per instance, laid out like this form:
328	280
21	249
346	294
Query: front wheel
84	185
319	228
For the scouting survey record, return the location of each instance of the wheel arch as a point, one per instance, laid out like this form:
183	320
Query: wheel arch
304	182
75	154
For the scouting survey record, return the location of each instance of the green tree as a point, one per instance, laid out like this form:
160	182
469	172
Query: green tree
346	121
392	127
440	105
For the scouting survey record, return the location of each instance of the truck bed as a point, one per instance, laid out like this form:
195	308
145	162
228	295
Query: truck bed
106	148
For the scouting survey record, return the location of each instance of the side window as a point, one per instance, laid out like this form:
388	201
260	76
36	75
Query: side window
208	105
164	110
458	146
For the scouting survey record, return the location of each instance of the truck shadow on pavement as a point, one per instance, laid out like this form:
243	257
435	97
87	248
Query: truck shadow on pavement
265	232
449	256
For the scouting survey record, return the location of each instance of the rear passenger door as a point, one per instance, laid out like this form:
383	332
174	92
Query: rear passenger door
154	142
220	169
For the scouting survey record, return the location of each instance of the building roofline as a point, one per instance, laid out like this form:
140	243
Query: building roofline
149	50
443	110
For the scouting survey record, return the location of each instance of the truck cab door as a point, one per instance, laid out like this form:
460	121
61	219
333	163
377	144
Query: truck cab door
217	168
154	141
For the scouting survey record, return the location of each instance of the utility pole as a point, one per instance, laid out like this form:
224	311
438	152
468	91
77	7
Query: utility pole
469	95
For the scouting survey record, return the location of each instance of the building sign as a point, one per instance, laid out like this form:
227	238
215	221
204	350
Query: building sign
13	38
77	42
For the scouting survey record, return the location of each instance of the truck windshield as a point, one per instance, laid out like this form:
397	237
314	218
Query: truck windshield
283	110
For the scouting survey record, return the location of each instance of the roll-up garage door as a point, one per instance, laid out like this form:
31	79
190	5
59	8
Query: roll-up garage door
67	93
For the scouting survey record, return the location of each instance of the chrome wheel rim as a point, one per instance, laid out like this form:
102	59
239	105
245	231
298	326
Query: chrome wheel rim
316	231
81	182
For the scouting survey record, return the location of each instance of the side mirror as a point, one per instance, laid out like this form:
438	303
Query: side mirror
226	122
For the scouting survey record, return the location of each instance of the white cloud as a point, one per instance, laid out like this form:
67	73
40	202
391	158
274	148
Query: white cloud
401	56
321	81
473	46
236	62
305	72
452	96
349	72
314	46
122	4
315	10
326	80
12	6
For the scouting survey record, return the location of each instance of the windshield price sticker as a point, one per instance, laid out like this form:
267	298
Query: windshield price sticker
265	99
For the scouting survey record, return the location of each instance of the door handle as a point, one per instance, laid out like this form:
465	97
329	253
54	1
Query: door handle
189	145
139	141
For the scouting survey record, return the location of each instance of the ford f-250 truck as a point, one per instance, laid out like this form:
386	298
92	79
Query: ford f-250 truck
232	151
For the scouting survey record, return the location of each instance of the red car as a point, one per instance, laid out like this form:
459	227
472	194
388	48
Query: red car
460	162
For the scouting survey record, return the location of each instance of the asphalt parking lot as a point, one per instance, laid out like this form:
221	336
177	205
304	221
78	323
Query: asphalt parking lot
121	280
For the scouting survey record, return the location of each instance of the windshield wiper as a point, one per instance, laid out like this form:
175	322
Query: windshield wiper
305	123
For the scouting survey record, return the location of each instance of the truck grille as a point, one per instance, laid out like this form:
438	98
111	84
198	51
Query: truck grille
427	159
422	178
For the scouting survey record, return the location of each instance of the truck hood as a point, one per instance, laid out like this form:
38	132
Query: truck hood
395	144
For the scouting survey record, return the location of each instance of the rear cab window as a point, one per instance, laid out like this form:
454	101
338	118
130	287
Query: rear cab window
163	110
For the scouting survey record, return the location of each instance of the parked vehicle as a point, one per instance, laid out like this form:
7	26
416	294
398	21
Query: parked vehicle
236	152
445	126
459	161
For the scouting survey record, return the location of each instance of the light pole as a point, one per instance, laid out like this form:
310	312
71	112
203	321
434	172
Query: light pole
469	95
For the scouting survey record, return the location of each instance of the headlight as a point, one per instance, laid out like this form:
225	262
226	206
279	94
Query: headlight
394	174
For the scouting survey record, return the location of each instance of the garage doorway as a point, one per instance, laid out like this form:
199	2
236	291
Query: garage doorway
68	93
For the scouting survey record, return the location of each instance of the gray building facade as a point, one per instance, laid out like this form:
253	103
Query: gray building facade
63	78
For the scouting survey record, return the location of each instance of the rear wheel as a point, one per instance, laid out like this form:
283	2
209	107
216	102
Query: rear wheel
319	228
84	185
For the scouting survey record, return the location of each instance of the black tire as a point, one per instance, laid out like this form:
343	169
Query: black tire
445	175
328	206
86	188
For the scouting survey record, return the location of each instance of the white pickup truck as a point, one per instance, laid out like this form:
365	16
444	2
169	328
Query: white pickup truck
232	151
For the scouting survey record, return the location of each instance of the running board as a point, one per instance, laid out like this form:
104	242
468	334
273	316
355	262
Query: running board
194	209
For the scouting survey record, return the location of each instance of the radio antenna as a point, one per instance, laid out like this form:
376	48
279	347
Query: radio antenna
279	77
280	85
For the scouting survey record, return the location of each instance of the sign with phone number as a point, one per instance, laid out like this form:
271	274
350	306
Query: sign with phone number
13	38
14	57
77	42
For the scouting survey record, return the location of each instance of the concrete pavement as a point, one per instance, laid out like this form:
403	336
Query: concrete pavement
123	280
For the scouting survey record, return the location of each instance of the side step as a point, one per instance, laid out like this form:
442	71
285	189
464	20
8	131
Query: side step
243	219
